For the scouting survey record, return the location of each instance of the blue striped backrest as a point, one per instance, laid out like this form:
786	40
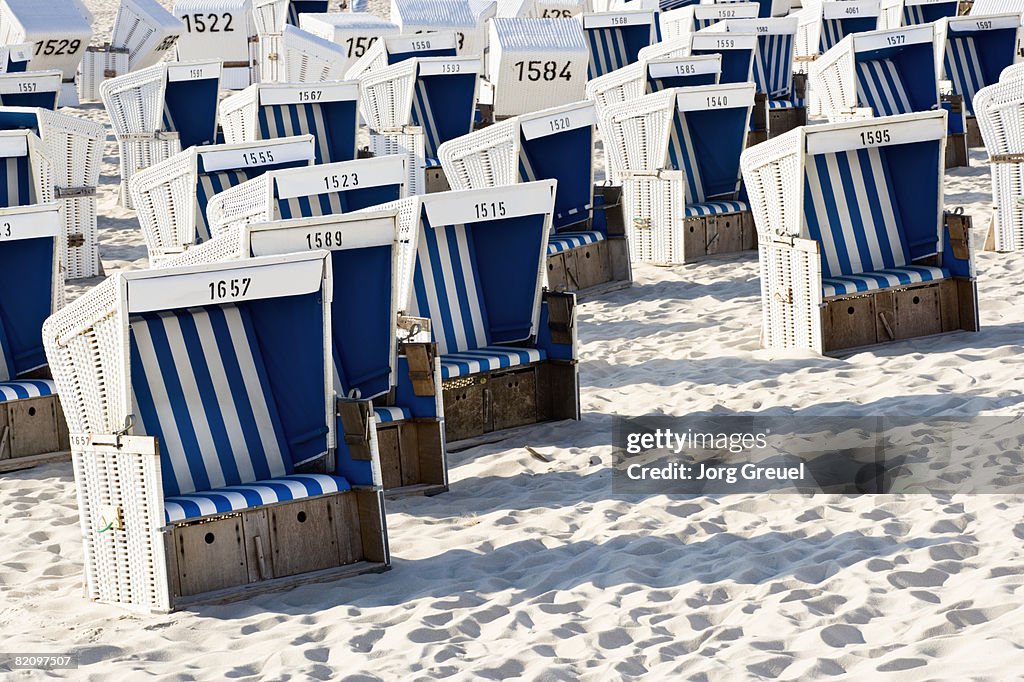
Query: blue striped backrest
210	184
26	294
567	158
334	203
15	187
881	87
199	385
287	120
443	105
446	288
914	15
773	65
683	156
963	68
612	48
851	209
423	115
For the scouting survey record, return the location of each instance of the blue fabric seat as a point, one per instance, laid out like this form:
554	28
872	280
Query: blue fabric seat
707	208
214	183
571	240
881	279
199	384
773	65
444	105
388	415
239	497
19	390
487	359
785	104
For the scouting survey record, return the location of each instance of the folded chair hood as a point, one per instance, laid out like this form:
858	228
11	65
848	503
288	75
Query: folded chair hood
974	51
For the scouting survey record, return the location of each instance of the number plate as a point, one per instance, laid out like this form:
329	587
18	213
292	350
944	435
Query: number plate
897	38
256	154
850	9
419	43
40	222
559	123
147	292
192	72
716	97
966	24
439	66
713	42
338	177
456	208
777	26
683	66
321	92
17	83
13	144
270	239
739	10
616	19
21	52
870	135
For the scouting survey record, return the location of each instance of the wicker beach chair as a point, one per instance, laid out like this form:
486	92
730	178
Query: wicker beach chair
222	30
431	16
32	426
541	9
536	64
677	153
74	147
308	192
355	32
436	95
507	349
297	56
653	75
58	30
587	251
897	13
1000	110
328	111
172	196
204	438
855	247
160	110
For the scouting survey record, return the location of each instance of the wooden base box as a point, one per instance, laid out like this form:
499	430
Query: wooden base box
718	234
781	121
974	138
956	151
494	401
319	538
591	267
898	314
32	432
436	180
412	458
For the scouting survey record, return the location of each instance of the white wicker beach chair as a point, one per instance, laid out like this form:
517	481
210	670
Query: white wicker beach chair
308	192
436	94
328	111
692	18
1012	72
587	252
74	147
172	196
223	30
355	32
31	89
541	9
616	38
100	63
15	58
897	13
507	348
677	154
157	111
1000	112
536	64
974	51
429	16
204	439
653	75
59	32
855	247
32	426
297	56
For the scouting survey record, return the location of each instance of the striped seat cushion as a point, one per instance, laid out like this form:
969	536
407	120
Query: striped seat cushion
310	207
19	390
773	65
880	87
210	184
785	104
388	415
851	209
15	184
571	240
238	497
881	279
433	163
199	384
714	208
446	288
963	69
288	120
484	359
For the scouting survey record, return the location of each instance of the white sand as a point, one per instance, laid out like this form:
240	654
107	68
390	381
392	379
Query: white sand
533	569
